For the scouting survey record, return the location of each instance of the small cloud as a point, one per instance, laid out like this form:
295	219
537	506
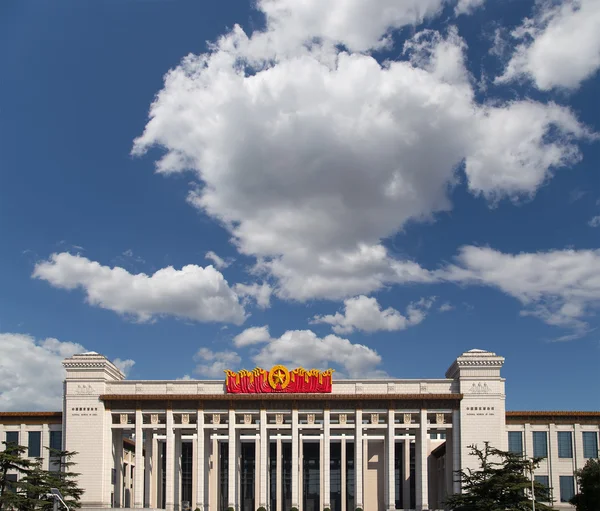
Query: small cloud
577	194
595	221
124	365
446	307
185	377
218	261
253	335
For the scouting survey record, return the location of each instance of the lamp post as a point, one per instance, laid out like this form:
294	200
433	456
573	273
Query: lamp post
56	496
532	485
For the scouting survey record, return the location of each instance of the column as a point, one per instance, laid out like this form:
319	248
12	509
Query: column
45	453
406	474
177	479
170	462
421	483
456	451
118	457
148	467
295	459
156	466
232	483
391	455
24	438
326	458
343	470
108	459
553	472
200	499
358	460
257	463
264	446
2	437
214	474
138	483
278	473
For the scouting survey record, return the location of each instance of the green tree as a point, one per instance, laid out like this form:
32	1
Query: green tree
502	483
34	488
12	460
64	479
588	499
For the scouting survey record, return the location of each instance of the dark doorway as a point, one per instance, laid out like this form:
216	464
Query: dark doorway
335	476
223	476
286	483
186	474
247	476
311	476
350	483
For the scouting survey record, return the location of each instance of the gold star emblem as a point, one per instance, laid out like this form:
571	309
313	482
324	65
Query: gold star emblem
279	375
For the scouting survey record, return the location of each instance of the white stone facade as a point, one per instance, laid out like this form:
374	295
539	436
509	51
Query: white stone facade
374	444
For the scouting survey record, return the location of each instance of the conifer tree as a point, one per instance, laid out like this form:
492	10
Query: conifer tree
12	460
588	498
502	483
63	479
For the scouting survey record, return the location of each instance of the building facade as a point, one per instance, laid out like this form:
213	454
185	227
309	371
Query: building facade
280	439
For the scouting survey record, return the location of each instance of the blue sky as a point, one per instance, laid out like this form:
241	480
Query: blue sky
383	188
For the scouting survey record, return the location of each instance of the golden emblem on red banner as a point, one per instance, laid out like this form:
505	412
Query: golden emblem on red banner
278	379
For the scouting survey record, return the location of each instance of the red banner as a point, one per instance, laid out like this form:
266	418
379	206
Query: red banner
278	380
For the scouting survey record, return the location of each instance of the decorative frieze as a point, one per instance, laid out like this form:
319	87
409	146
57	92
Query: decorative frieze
440	418
185	418
247	418
310	418
374	418
216	418
278	418
154	418
343	418
407	418
123	418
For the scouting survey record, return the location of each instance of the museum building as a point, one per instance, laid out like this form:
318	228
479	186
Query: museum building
282	438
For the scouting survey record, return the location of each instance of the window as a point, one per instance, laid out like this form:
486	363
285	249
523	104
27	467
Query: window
590	444
543	480
35	444
540	444
567	488
565	444
10	480
12	437
56	440
515	442
433	436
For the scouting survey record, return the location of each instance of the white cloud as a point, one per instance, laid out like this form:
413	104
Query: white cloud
261	293
312	156
467	6
31	372
253	335
364	313
446	307
305	348
196	293
124	365
219	262
560	46
561	287
212	364
594	221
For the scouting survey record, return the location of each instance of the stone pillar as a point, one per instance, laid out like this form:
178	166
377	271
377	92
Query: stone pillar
177	479
421	483
200	461
264	457
406	474
278	486
109	461
156	480
44	452
2	438
118	457
391	455
148	467
344	474
578	459
24	438
257	463
138	483
358	459
170	463
553	462
232	483
326	458
295	460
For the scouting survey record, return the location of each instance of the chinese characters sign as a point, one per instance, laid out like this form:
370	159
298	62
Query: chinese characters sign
278	379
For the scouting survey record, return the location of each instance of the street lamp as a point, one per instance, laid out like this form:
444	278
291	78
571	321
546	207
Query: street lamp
56	496
532	485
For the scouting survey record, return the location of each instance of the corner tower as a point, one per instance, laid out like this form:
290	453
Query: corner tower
85	423
482	409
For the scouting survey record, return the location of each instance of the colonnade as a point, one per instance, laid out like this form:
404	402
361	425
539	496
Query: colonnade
374	457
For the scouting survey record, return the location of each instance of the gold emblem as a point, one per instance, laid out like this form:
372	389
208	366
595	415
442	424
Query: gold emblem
279	375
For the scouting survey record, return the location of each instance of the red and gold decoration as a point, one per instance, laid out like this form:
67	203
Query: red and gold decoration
278	380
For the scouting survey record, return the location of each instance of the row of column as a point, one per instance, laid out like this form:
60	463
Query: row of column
144	476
